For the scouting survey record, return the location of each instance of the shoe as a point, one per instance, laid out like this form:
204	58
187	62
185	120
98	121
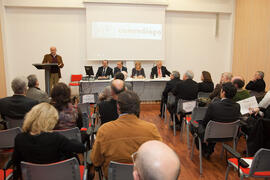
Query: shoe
161	116
206	155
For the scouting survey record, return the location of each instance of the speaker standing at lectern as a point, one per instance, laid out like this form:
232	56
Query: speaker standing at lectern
55	72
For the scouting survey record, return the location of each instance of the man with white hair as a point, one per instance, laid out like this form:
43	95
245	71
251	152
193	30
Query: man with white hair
152	160
185	90
55	72
257	84
159	71
18	105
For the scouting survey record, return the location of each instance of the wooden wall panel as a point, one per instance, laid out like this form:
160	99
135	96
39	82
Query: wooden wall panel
252	39
3	89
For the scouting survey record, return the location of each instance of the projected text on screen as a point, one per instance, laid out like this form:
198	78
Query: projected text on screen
117	30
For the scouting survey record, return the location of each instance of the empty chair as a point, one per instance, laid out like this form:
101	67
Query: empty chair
65	170
258	165
13	123
120	171
217	132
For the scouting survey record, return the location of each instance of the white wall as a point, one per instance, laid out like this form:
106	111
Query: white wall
190	37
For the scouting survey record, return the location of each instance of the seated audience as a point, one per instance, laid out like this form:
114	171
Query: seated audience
119	67
108	108
104	71
61	100
118	140
34	92
264	107
224	110
185	90
159	71
18	105
257	84
152	160
241	93
38	143
138	71
175	78
105	95
225	77
122	76
207	84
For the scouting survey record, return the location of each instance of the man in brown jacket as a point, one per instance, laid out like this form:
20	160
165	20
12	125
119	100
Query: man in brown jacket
118	140
55	72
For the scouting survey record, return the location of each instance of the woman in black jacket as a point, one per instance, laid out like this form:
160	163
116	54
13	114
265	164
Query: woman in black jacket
207	84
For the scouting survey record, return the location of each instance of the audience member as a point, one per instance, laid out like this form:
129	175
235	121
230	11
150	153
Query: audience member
18	105
159	71
257	84
61	100
185	90
34	92
264	107
138	71
175	78
121	76
241	93
104	71
119	67
225	77
224	110
207	84
152	160
38	144
108	108
117	140
106	94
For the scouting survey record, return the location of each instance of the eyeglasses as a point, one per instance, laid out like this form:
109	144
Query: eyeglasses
134	156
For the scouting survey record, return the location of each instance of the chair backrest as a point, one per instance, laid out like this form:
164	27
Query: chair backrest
12	123
76	77
198	113
260	162
186	106
203	95
218	130
171	99
120	171
64	170
7	137
71	134
84	108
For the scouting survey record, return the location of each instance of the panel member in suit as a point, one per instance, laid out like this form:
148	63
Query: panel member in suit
224	110
159	71
18	105
257	84
34	92
138	71
119	67
55	72
104	71
175	79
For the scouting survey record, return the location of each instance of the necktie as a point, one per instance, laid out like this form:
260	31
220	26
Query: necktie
159	72
103	72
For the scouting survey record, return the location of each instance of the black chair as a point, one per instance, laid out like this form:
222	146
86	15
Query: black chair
120	171
13	123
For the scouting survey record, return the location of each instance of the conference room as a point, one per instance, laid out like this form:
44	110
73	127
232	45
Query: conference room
134	89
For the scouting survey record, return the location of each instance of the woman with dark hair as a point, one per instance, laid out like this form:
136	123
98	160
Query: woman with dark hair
61	100
207	84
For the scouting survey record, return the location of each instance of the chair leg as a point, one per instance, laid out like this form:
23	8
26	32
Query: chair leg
188	143
222	151
200	155
227	171
192	148
165	113
241	177
174	130
182	128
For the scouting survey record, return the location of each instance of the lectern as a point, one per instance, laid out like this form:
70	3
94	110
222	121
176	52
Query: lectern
47	68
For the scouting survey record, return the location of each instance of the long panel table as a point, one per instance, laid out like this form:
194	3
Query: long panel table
147	89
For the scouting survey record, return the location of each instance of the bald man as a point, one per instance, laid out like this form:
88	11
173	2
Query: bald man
152	161
55	72
159	71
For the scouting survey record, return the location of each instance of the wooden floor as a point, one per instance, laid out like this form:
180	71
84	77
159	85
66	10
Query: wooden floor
213	169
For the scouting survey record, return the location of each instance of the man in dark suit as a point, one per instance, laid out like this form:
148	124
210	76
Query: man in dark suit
257	84
185	90
224	110
104	71
18	105
108	108
119	67
175	78
55	72
159	71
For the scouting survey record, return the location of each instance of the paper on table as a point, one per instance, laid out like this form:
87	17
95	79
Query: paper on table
249	161
246	104
89	98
